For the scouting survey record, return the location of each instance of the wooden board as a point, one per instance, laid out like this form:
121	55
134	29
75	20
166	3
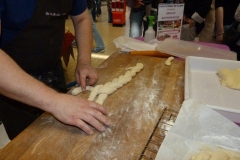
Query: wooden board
134	110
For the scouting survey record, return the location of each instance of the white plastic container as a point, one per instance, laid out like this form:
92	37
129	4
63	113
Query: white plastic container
149	33
182	49
203	84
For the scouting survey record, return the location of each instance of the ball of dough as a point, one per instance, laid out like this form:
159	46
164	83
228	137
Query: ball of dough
220	155
204	156
230	78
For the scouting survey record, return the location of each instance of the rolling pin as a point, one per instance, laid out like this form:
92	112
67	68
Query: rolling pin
150	53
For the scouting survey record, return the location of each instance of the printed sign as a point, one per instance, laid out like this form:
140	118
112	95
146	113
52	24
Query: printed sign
169	23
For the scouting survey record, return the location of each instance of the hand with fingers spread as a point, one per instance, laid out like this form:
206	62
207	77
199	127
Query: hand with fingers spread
86	73
79	112
69	109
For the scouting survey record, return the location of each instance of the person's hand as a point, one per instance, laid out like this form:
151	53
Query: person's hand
85	74
79	112
191	22
138	3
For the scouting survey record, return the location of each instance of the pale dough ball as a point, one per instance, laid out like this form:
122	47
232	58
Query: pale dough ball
220	155
202	156
230	78
233	155
216	155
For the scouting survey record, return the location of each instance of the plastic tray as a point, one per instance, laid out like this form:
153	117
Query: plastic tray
182	49
203	84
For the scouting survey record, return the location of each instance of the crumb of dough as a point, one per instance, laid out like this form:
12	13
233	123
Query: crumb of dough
168	61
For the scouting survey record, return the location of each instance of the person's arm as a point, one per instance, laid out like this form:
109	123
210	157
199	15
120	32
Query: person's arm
219	16
72	110
237	13
219	24
84	40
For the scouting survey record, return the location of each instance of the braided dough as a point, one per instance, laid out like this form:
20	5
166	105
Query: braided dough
78	90
102	91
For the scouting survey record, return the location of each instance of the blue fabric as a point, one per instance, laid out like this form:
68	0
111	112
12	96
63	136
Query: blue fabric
78	7
99	3
96	36
15	15
136	19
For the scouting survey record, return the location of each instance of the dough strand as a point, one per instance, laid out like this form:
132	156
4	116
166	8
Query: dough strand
168	62
110	87
102	91
94	92
78	90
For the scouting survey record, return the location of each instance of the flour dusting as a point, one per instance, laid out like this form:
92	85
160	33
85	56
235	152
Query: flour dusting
138	112
48	119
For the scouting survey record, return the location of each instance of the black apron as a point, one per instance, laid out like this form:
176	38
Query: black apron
37	50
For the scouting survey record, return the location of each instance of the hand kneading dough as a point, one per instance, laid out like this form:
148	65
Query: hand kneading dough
102	91
230	78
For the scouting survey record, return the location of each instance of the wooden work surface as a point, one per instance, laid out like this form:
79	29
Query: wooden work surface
134	111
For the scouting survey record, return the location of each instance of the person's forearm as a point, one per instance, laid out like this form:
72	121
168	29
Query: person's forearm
72	110
84	36
237	14
219	20
18	85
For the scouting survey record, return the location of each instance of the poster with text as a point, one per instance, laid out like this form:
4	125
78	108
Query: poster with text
169	22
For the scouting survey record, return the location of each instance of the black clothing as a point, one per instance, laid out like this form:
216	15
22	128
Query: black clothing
201	7
229	7
37	50
17	116
90	4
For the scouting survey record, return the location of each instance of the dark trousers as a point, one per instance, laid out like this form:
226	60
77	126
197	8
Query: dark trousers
17	116
235	48
231	37
94	11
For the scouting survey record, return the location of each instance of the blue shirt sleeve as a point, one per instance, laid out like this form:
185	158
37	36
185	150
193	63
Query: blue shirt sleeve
1	8
78	7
